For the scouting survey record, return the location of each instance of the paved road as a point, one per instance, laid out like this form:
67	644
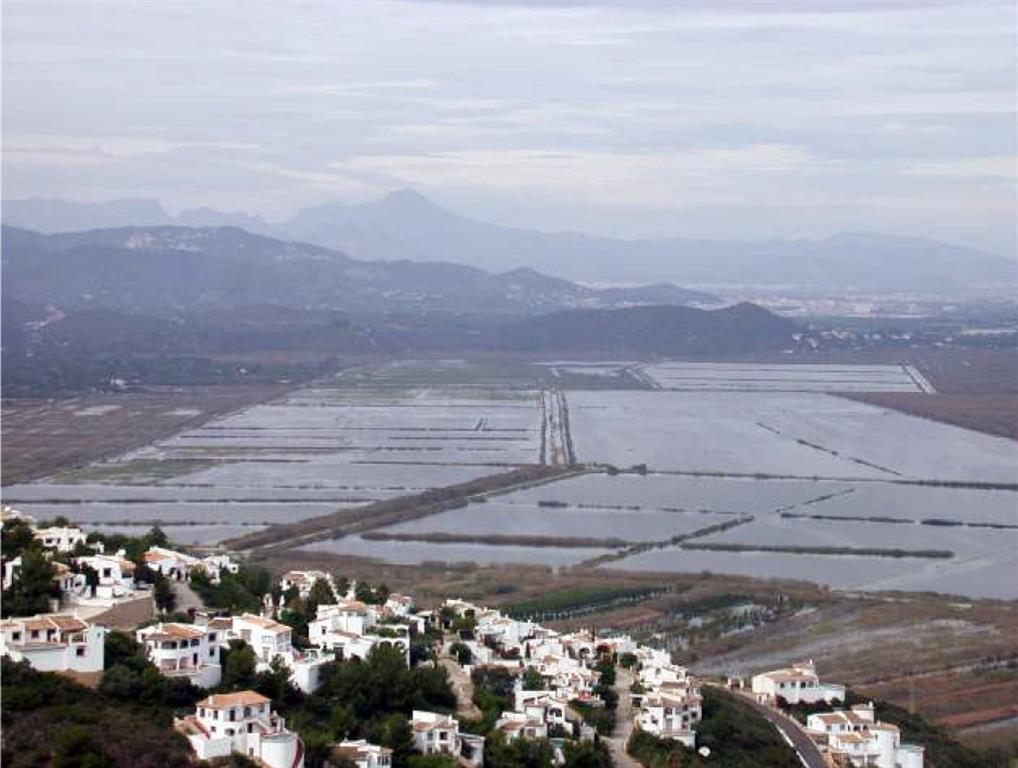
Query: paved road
186	597
803	744
463	687
623	721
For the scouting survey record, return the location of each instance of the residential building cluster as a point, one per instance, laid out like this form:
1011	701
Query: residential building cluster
855	738
667	704
851	738
556	675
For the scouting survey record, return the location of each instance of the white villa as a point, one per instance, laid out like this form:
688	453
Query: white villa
116	575
799	684
435	733
856	736
350	629
362	754
671	716
303	581
61	539
178	566
54	643
242	722
270	639
171	564
516	725
184	650
550	707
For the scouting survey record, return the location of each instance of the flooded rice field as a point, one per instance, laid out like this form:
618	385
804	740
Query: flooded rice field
732	468
414	552
798	377
308	453
797	434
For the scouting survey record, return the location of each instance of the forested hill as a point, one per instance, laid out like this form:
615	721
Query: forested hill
651	330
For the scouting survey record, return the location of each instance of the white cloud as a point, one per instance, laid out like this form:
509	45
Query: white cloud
1003	167
654	179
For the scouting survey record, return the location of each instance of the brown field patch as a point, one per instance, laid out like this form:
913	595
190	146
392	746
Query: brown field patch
41	437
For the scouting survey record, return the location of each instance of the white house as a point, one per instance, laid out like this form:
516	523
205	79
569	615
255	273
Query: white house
671	716
552	707
115	572
304	581
171	564
270	639
54	643
215	565
61	539
362	754
184	650
858	737
242	722
516	725
398	605
799	684
350	629
435	733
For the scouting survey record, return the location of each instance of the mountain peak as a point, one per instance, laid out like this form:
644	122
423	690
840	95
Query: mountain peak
407	195
407	201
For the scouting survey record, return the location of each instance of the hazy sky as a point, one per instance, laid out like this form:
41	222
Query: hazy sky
736	120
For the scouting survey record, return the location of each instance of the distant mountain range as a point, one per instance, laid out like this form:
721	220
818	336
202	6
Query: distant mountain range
405	226
161	270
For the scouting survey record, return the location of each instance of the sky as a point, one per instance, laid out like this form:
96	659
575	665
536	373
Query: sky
735	120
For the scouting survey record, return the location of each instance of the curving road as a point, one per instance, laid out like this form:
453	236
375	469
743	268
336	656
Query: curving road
808	751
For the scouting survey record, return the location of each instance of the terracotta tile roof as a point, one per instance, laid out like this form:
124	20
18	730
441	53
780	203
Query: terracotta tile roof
175	631
272	626
239	699
355	750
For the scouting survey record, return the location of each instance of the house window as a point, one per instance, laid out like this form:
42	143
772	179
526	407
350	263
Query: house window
15	636
79	652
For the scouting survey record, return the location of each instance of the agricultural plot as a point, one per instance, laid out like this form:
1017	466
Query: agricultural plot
911	503
962	542
977	577
786	377
784	434
195	535
502	517
308	453
415	553
600	491
165	513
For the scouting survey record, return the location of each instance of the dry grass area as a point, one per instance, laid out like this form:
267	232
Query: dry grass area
992	414
41	437
929	653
